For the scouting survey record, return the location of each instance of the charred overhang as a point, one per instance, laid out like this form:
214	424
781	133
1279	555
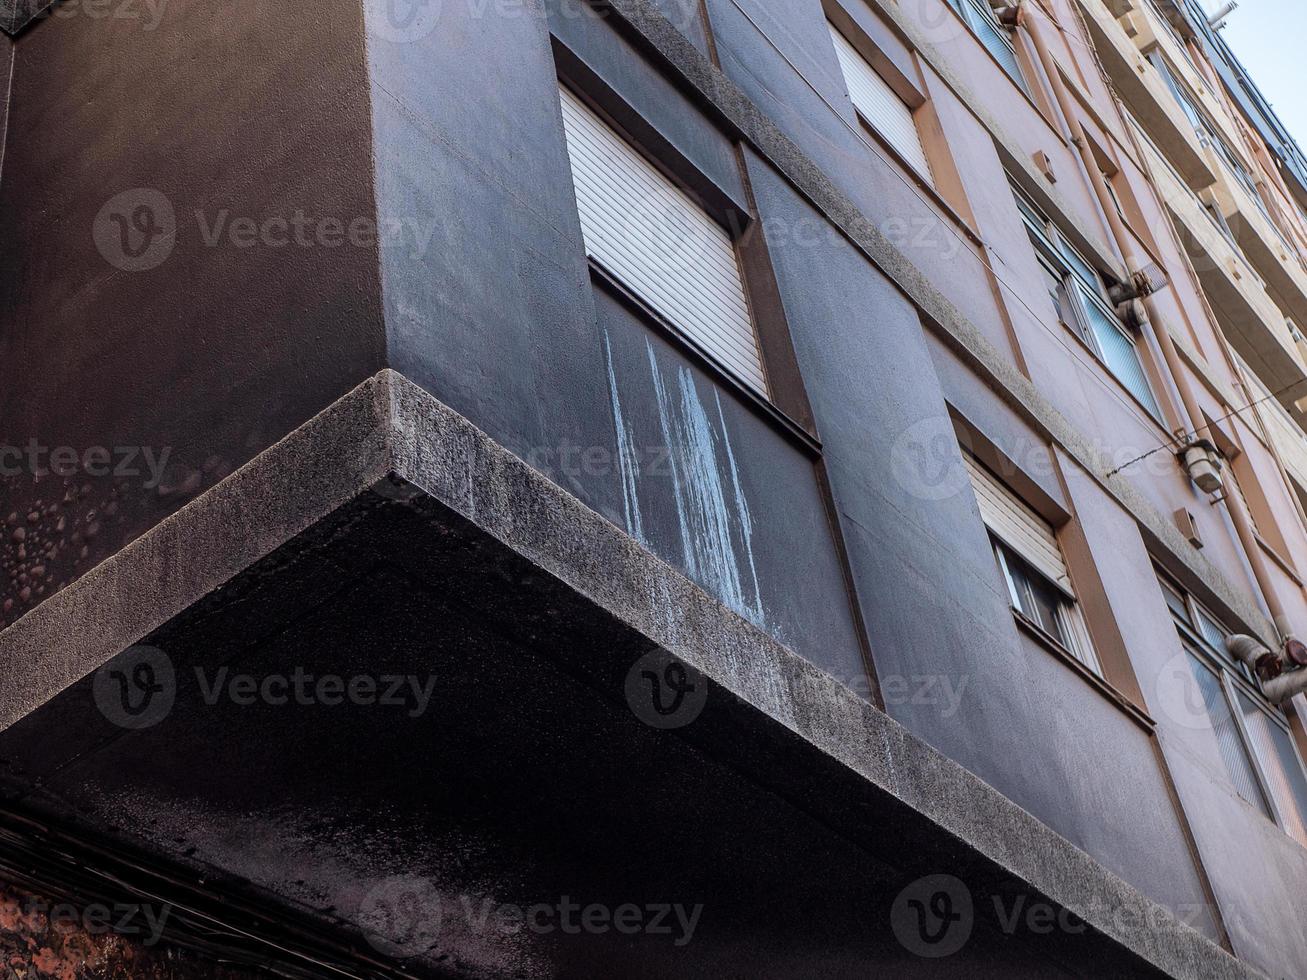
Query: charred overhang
388	537
18	14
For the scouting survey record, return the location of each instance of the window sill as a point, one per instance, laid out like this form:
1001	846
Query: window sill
1102	685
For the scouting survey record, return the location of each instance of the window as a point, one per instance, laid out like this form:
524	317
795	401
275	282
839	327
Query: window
979	16
1031	562
879	106
1111	192
1181	94
659	243
1080	298
1208	133
1252	736
1237	488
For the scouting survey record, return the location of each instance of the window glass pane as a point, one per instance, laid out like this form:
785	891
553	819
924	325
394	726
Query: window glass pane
1176	601
1118	350
1046	602
1014	593
1177	90
1038	599
1225	728
1274	748
1078	641
1085	272
1111	192
980	18
1219	220
1032	215
1212	631
1053	284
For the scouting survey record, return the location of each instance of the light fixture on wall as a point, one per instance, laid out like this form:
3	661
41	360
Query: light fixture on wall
1203	462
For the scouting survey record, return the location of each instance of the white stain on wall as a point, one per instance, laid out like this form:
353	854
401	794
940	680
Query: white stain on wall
713	518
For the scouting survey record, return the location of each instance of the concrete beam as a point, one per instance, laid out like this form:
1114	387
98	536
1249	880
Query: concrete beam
390	427
17	14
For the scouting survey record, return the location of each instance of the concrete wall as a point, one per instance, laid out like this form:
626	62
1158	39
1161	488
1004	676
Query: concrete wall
180	363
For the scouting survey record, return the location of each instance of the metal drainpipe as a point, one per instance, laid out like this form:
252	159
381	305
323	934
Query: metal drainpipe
1236	370
1124	243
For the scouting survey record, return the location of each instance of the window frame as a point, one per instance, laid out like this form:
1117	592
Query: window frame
925	169
1072	636
969	9
1060	258
1236	679
687	336
1012	521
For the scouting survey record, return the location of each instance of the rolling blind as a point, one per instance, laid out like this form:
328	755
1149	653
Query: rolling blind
1017	526
879	105
666	249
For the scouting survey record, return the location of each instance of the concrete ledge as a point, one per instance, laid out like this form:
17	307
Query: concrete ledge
390	426
17	14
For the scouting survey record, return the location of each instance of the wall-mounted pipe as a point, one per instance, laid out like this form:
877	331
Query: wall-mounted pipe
1125	245
1282	688
1251	651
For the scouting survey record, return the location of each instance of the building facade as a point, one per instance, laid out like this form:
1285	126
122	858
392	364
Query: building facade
655	487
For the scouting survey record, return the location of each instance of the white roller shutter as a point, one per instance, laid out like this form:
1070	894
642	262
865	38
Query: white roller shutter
1017	526
879	105
666	249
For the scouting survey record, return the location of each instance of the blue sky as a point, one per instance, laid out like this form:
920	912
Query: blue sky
1268	37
